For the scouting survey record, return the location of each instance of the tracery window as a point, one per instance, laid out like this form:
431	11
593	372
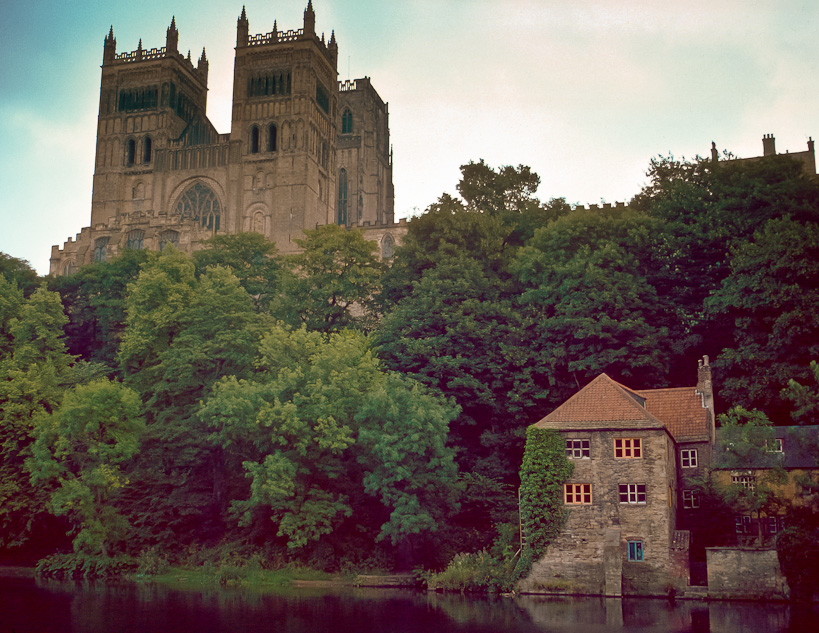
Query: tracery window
135	239
342	197
168	237
387	247
200	203
100	249
347	122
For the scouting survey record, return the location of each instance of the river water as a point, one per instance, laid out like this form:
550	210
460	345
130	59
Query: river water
32	606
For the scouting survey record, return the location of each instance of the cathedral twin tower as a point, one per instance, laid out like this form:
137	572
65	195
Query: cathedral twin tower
304	149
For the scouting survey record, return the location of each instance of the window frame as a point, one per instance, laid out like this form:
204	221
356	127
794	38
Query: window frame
692	453
744	478
583	451
636	550
582	491
629	448
691	499
634	494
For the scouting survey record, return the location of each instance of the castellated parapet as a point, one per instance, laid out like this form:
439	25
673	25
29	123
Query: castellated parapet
302	150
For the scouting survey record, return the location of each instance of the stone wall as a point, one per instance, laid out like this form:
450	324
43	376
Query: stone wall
745	572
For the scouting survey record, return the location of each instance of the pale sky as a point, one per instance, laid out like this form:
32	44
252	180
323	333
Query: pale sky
585	92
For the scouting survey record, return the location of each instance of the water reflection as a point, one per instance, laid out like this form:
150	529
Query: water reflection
31	606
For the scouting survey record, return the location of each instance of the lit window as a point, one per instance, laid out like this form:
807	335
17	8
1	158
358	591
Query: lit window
689	457
577	494
744	479
691	499
635	551
628	448
632	493
577	449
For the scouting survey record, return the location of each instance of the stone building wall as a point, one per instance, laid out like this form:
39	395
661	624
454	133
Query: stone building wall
745	572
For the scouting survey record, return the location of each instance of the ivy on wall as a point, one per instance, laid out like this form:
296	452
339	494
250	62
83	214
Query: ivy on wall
542	514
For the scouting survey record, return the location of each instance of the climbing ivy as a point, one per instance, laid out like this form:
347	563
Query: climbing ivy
542	474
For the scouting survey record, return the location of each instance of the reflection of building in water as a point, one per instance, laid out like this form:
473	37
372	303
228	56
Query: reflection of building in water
304	149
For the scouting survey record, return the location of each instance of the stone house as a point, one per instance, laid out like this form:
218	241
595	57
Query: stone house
635	454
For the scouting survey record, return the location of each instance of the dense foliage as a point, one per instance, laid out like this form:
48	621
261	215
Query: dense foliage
328	407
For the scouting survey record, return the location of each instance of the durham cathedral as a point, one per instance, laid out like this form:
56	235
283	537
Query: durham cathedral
304	150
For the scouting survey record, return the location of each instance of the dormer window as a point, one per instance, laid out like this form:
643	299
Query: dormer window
774	446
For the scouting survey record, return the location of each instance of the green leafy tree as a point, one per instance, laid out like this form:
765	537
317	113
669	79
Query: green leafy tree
747	440
332	282
183	334
20	272
770	299
251	257
95	301
34	367
82	446
322	432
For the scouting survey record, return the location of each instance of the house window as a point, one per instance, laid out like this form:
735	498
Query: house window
774	446
577	494
744	479
632	493
635	551
628	448
577	449
743	524
347	122
689	457
774	525
691	499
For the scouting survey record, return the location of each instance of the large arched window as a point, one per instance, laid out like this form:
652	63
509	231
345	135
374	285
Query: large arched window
100	249
130	152
135	239
254	140
342	197
147	150
200	203
347	122
271	137
168	237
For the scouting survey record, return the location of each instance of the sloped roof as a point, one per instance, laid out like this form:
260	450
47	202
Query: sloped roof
603	403
681	410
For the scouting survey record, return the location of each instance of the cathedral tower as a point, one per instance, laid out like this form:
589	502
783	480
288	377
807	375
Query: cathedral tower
285	94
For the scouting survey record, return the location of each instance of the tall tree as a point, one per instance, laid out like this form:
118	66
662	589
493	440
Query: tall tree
332	282
81	446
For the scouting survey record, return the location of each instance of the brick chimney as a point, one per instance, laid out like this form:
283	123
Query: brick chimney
705	389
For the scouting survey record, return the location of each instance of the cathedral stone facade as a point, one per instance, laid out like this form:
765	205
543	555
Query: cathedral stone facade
304	149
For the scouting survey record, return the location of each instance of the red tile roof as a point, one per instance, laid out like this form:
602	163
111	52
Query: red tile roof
681	410
603	403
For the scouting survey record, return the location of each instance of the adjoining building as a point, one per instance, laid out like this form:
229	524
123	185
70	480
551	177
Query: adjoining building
304	149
